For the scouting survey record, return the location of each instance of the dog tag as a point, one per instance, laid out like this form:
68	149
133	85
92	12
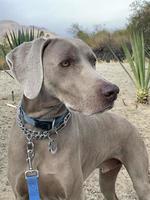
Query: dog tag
52	146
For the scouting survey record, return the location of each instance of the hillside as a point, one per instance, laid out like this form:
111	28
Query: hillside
8	25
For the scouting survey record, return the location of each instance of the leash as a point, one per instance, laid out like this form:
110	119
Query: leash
31	175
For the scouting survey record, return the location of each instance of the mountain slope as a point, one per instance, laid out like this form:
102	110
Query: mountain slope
8	25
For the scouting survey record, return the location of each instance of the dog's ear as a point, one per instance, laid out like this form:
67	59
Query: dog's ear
25	61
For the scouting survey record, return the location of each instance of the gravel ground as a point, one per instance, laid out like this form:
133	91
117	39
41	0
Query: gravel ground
139	115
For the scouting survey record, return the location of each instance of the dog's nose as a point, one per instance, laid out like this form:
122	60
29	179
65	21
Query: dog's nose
110	91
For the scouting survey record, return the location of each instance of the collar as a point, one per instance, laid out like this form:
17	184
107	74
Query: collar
51	124
47	128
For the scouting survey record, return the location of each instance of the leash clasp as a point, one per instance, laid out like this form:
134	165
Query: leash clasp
32	173
30	154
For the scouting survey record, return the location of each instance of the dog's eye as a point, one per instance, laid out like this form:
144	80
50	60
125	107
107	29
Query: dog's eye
65	63
93	61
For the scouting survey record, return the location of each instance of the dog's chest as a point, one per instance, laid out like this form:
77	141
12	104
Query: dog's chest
52	185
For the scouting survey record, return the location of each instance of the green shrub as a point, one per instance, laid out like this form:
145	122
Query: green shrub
138	64
4	49
100	39
140	18
14	39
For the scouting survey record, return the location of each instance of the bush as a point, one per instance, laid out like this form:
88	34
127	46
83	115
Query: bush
14	39
140	19
137	61
101	40
4	49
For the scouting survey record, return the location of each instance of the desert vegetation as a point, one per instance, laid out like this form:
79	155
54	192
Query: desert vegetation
101	39
140	67
131	44
13	39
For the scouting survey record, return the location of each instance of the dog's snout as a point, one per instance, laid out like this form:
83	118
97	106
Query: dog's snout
110	91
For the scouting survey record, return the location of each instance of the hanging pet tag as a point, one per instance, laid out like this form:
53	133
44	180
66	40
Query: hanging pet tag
52	146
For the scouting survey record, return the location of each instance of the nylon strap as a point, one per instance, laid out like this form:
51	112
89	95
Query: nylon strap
33	188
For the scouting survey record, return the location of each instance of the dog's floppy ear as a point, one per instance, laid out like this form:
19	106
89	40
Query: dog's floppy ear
25	61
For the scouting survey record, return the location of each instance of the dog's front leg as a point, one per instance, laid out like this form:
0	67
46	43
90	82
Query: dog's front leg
80	195
18	197
77	192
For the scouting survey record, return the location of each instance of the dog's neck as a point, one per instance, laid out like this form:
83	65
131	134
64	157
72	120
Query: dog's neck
44	106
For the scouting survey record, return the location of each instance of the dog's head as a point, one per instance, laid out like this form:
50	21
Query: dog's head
66	68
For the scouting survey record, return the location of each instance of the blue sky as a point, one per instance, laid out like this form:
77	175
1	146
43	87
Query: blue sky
58	15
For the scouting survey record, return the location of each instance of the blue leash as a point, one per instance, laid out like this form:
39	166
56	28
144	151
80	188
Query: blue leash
31	175
32	183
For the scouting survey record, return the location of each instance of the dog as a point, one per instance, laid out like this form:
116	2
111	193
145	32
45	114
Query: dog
59	81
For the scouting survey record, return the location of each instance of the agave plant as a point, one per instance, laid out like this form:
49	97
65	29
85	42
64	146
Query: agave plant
139	66
14	39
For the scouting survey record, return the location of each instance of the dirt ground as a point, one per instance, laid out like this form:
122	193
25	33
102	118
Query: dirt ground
125	106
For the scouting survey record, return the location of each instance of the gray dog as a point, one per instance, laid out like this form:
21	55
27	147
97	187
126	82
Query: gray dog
62	114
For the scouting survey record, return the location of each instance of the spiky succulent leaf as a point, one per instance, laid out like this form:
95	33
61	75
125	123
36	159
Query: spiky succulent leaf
14	39
137	62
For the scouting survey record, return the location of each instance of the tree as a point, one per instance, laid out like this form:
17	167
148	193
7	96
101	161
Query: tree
140	19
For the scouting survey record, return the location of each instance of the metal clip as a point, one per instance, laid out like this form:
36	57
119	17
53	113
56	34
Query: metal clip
30	173
30	145
30	154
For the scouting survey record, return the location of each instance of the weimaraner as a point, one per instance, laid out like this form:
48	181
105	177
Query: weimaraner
58	76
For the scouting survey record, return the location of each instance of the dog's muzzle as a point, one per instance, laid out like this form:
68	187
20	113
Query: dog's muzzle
110	92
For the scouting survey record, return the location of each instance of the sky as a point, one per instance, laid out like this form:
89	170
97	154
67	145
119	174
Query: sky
58	15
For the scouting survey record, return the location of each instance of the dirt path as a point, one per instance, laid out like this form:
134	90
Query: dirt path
125	106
